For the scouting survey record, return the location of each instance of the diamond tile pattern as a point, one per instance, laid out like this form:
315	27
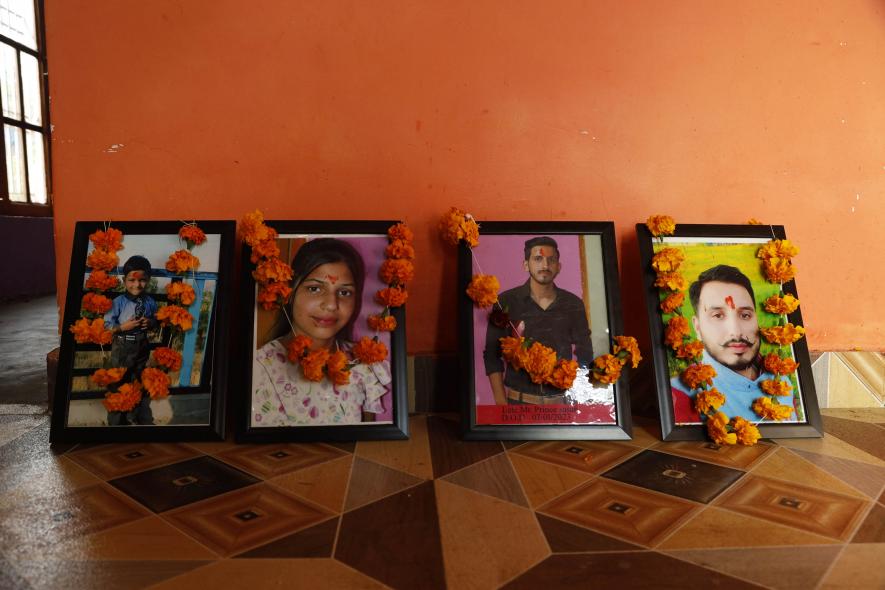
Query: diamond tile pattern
436	512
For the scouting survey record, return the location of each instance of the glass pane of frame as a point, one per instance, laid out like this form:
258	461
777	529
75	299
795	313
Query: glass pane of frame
36	166
18	21
9	82
30	72
15	163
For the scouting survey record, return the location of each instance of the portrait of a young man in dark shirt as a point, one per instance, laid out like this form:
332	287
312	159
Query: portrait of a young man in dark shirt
539	310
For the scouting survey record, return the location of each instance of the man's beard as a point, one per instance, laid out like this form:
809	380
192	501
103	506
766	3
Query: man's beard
741	365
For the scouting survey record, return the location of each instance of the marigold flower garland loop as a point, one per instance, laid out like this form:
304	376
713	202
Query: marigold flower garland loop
777	267
521	353
90	327
273	276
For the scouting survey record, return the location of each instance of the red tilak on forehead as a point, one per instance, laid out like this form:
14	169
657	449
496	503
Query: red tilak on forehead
137	274
729	302
543	251
332	278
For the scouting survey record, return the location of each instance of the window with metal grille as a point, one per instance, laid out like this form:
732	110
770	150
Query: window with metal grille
24	188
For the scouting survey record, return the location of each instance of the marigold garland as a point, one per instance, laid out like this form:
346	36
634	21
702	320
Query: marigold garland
772	410
176	316
272	295
86	331
676	332
778	270
775	387
104	377
672	281
672	302
607	368
168	358
100	259
382	323
483	290
777	365
781	305
369	351
392	296
180	292
709	400
123	400
786	334
717	429
690	350
96	303
745	431
100	280
110	240
192	234
156	382
400	249
457	225
661	225
667	260
181	262
396	271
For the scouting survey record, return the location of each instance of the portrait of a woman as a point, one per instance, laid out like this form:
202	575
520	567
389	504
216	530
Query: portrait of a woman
328	282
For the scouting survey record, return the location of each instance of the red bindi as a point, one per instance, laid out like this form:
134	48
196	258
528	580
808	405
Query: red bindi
729	302
332	278
543	252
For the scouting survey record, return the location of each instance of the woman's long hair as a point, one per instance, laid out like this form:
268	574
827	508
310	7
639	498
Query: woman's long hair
322	251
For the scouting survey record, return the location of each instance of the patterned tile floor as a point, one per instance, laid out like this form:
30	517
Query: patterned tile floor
436	512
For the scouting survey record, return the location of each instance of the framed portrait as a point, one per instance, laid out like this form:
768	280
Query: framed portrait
558	287
724	304
145	332
335	280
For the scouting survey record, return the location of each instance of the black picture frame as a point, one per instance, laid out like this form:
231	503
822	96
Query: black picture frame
213	286
752	236
602	236
397	428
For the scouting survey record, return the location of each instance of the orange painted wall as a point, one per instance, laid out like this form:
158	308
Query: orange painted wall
710	111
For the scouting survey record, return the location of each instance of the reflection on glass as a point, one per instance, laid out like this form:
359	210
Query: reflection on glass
15	163
17	21
31	89
9	82
36	166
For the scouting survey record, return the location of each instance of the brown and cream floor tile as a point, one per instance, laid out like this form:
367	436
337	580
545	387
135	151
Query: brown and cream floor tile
645	569
714	527
245	518
272	460
370	482
395	540
779	568
787	465
493	477
486	541
315	541
171	486
568	538
411	456
102	575
118	460
675	475
324	484
869	479
734	456
856	568
622	511
872	530
810	509
865	436
590	457
449	453
830	446
544	481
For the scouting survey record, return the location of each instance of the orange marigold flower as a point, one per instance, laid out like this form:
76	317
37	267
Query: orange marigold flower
100	280
297	347
629	346
104	377
180	292
381	323
667	260
672	281
265	249
156	382
192	234
512	350
182	261
100	259
336	368
396	272
175	315
779	366
775	387
313	363
717	428
778	270
124	399
392	296
85	330
400	231
770	409
167	357
677	330
253	229
783	334
272	295
272	269
672	302
777	249
708	400
564	374
539	362
698	374
457	225
607	368
745	431
754	221
110	240
690	350
661	225
400	249
483	290
96	303
781	305
369	351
